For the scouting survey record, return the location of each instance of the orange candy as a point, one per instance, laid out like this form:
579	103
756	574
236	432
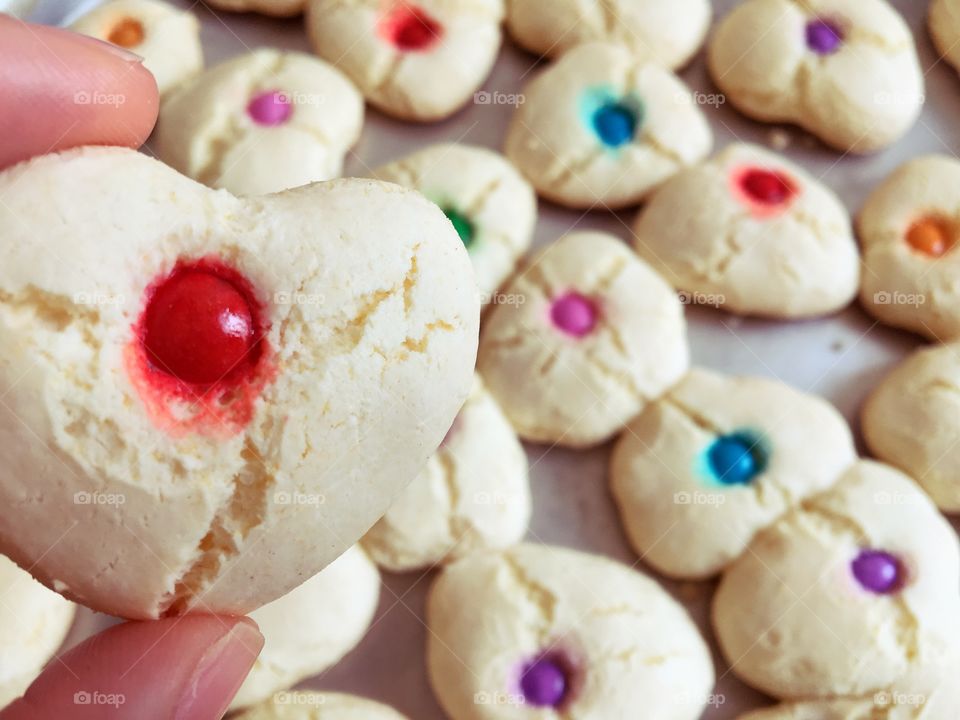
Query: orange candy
931	236
127	33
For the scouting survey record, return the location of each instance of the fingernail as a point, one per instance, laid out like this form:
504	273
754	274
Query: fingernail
116	50
220	672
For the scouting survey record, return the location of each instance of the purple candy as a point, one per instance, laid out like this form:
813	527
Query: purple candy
270	108
574	314
878	571
823	36
543	682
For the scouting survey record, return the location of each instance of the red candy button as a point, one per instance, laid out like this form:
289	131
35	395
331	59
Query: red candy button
931	236
200	325
410	28
765	192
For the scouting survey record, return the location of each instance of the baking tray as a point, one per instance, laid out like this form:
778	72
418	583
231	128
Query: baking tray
840	358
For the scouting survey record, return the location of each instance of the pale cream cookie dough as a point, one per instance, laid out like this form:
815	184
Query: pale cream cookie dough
911	420
845	70
166	37
944	22
717	459
539	631
33	624
909	229
305	705
313	626
667	32
845	595
491	206
602	128
214	397
751	233
417	60
260	123
473	494
275	8
593	335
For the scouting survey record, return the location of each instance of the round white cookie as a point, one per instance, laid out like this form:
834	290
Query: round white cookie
539	631
759	236
275	8
492	207
944	22
929	692
601	127
845	70
910	420
717	459
417	61
305	705
33	624
179	461
909	229
845	595
313	626
473	494
667	32
593	334
260	123
166	37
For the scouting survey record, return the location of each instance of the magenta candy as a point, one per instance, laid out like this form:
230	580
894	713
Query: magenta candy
574	314
878	571
270	108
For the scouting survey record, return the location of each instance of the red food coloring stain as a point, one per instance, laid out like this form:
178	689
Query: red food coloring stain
410	28
199	357
765	192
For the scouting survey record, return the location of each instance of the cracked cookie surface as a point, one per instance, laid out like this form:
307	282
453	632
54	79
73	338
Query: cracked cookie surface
492	207
799	618
765	238
910	421
417	61
473	494
601	128
312	627
368	336
166	37
683	518
260	123
620	639
593	335
909	228
666	32
845	70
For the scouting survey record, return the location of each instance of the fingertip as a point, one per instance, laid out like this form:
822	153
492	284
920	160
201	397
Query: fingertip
63	90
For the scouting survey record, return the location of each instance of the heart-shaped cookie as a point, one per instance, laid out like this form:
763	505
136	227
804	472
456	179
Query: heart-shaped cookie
207	399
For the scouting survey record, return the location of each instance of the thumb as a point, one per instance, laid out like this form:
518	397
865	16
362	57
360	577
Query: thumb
183	668
61	90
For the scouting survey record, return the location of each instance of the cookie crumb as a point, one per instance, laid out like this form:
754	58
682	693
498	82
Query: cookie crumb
779	139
